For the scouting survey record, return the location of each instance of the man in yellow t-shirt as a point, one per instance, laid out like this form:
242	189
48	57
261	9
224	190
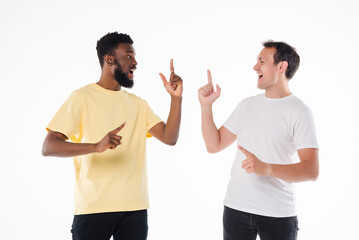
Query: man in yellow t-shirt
104	128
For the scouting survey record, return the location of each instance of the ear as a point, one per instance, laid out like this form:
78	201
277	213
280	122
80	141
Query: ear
109	60
282	66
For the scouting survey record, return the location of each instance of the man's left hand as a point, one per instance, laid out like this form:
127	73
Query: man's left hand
253	165
175	85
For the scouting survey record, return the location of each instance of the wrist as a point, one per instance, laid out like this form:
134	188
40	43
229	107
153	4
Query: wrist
94	147
206	107
268	169
176	98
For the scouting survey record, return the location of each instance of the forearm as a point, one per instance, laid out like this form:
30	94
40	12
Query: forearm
298	172
210	132
59	148
171	130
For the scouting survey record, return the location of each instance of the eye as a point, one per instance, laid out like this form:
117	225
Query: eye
129	56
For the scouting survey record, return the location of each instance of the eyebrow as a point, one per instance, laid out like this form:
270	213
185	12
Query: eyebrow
129	51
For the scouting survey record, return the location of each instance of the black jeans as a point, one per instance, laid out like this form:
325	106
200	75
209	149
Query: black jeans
239	225
130	225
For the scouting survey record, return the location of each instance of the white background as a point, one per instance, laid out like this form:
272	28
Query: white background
47	50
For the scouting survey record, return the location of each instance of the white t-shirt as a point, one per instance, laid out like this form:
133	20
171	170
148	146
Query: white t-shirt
272	129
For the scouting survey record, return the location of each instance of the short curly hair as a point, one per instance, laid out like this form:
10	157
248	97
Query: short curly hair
285	52
108	43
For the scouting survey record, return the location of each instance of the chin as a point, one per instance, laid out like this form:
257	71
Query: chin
260	87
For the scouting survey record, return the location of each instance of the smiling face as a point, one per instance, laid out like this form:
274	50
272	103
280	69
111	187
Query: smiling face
268	72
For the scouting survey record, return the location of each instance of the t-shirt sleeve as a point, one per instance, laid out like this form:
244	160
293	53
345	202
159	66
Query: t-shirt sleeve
67	120
151	118
304	131
232	122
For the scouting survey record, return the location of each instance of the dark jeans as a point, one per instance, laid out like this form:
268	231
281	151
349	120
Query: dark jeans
101	226
239	225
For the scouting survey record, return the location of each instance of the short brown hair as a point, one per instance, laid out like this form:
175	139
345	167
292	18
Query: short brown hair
285	52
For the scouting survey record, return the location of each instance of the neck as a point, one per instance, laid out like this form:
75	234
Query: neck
108	82
279	90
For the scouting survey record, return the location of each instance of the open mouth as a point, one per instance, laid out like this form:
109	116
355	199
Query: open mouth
260	76
132	70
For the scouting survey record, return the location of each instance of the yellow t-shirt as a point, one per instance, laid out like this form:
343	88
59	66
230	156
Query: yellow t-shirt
115	180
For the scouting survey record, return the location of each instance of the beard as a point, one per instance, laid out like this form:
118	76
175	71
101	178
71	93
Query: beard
122	78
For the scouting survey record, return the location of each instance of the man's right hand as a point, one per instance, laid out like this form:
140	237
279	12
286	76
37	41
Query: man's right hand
206	94
110	141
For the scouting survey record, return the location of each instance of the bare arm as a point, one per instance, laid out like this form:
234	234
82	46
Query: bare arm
307	169
215	139
168	132
55	144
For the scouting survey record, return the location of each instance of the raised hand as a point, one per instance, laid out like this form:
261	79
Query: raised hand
175	85
253	165
111	140
206	94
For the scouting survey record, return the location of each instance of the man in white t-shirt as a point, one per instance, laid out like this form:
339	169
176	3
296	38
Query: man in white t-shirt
269	129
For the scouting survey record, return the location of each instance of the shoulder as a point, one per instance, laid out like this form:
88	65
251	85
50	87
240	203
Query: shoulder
83	91
89	89
80	94
298	104
299	111
77	95
83	94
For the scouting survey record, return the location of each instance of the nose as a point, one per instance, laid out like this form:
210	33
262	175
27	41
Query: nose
134	61
256	67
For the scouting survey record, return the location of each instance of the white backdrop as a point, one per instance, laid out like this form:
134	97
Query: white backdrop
47	49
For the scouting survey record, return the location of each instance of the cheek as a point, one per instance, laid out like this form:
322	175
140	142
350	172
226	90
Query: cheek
269	72
121	67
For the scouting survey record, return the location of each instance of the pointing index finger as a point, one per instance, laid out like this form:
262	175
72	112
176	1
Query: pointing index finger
209	77
244	151
171	66
116	130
